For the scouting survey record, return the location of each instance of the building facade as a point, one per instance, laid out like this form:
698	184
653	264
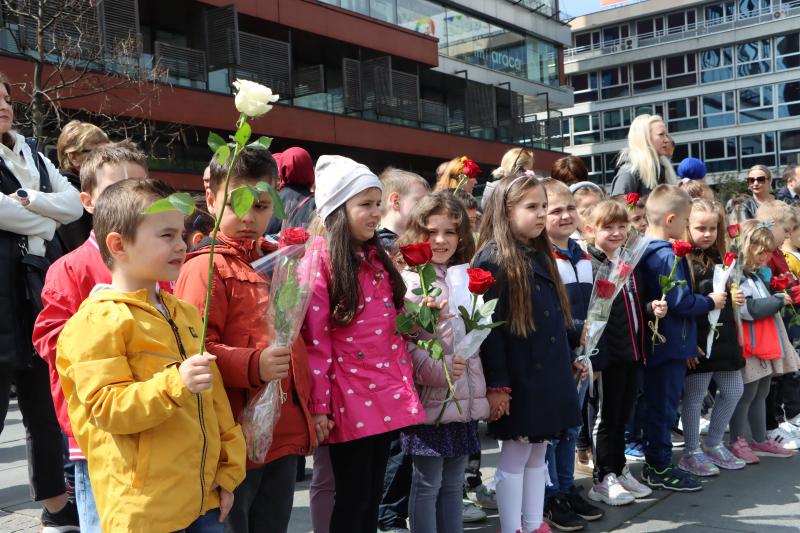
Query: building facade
407	83
725	75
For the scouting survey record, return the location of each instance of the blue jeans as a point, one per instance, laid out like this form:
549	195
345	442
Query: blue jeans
663	388
208	523
435	503
84	499
560	457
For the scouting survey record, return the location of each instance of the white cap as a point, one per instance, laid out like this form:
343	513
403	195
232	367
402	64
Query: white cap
337	179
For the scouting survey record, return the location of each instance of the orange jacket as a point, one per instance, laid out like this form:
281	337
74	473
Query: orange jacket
237	334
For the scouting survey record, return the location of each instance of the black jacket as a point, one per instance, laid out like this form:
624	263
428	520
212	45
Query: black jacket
624	338
786	196
726	353
299	204
537	368
74	234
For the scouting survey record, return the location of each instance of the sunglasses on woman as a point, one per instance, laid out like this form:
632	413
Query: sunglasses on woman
756	179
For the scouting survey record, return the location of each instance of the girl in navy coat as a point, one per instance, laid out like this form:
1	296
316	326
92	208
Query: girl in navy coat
527	361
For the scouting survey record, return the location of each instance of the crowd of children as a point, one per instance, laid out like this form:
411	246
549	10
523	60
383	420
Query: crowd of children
151	418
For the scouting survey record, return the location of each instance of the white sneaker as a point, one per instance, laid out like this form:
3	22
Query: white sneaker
472	513
787	440
704	424
610	492
485	498
633	485
790	428
795	421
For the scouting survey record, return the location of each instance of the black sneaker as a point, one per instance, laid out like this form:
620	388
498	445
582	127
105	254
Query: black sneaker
64	521
670	478
581	507
558	514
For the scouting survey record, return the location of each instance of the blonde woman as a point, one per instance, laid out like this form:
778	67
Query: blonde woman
644	164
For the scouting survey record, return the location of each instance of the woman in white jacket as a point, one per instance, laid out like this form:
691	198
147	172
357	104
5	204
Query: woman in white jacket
35	200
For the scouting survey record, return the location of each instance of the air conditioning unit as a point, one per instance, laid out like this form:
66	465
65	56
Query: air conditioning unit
629	44
779	14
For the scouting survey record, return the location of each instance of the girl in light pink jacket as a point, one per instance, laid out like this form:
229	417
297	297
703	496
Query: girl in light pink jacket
440	447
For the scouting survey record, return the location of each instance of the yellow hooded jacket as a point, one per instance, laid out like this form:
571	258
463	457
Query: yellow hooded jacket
156	451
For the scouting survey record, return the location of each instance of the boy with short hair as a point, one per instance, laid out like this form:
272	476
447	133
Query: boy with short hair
791	245
564	508
668	209
69	282
147	409
239	337
402	190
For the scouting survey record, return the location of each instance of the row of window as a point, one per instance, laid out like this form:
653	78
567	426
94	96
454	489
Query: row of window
727	108
706	66
728	154
675	22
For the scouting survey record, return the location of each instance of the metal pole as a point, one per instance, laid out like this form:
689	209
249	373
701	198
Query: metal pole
466	100
547	105
510	108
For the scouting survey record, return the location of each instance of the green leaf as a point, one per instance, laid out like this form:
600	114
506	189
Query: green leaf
179	201
487	308
417	291
278	208
425	317
428	273
491	326
222	154
242	135
215	141
435	292
404	323
663	281
436	350
462	311
262	143
242	200
411	307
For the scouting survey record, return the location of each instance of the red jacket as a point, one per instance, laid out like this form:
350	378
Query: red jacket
69	281
237	334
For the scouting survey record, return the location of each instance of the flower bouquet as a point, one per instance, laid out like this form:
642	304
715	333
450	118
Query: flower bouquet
292	269
469	170
475	323
722	274
668	283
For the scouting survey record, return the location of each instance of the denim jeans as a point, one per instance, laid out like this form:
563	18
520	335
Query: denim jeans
208	523
435	504
84	499
560	457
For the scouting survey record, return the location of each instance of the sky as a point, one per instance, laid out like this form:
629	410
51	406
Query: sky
577	8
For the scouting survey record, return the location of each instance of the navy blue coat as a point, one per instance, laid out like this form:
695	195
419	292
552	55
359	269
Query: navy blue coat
537	368
576	274
684	306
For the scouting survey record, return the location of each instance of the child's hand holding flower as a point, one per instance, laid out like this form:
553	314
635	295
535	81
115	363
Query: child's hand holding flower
459	365
738	297
659	308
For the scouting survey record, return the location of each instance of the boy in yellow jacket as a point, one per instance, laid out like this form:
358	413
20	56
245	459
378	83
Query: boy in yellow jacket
152	418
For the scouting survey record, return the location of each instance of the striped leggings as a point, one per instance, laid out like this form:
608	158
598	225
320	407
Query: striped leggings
730	387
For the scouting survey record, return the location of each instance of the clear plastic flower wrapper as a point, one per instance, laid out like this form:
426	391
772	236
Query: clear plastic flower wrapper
292	270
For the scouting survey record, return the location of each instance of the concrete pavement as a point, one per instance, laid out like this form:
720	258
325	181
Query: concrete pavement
759	499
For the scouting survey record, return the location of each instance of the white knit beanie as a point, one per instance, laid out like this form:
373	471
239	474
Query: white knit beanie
337	179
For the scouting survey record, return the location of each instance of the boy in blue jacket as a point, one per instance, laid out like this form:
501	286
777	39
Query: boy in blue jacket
668	209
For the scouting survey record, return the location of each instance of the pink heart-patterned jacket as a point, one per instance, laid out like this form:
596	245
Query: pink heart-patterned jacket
361	374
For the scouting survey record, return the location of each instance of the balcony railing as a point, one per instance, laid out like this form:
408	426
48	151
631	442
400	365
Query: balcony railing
689	31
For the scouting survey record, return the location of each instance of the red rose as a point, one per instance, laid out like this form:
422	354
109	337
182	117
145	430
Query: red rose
291	236
779	284
794	292
625	270
681	248
733	230
469	168
730	257
605	289
632	199
417	254
480	280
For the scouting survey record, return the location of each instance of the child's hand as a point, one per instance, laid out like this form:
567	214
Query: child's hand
225	504
719	299
196	372
323	426
274	363
692	363
499	405
787	299
738	297
458	367
583	369
597	375
659	308
431	302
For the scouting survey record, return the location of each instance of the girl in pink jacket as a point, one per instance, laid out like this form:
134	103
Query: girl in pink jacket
361	375
439	448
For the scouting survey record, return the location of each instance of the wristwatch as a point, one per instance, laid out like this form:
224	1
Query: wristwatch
22	194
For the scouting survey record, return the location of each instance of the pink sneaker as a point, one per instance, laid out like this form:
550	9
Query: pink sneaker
742	450
544	528
770	448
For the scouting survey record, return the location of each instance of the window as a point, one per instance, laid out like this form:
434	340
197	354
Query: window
594	165
719	13
755	104
788	99
565	132
615	82
616	124
541	61
790	147
787	51
716	64
647	77
681	71
610	161
590	39
586	129
647	28
719	110
752	8
612	35
384	10
359	6
648	109
682	115
753	58
585	86
419	16
680	21
684	150
719	155
758	149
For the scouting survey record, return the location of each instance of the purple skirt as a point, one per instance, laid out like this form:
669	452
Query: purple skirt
446	440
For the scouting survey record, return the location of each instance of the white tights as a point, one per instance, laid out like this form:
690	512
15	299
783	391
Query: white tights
520	478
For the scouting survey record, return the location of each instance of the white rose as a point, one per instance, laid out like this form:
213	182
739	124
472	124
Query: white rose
253	99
